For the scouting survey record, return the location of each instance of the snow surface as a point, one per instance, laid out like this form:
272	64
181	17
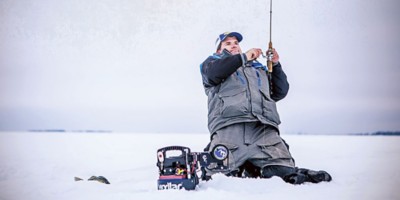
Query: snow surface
43	166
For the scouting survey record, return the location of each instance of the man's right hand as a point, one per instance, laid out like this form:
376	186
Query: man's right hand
253	54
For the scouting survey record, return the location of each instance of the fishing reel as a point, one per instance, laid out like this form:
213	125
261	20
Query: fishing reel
269	55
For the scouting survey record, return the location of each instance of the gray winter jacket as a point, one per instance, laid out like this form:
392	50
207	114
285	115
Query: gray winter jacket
239	91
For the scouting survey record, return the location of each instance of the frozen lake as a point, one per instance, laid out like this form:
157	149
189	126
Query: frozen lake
43	166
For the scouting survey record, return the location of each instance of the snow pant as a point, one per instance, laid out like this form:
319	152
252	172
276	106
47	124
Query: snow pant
257	150
253	142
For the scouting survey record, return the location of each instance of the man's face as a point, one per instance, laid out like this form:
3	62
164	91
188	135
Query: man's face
231	44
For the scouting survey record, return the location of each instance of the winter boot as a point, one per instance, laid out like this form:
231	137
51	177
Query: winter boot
295	178
314	176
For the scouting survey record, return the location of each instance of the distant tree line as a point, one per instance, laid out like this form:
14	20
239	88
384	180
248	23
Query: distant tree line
380	133
70	131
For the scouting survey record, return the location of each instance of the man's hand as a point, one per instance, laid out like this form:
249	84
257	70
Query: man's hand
253	54
275	57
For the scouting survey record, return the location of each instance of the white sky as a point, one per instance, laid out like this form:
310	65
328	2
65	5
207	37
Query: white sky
134	65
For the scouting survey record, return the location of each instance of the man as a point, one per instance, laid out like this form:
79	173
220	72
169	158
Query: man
242	112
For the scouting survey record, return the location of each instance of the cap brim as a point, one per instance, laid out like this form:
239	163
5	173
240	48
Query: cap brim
237	35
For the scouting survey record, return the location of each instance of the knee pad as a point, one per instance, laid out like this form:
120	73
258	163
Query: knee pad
276	170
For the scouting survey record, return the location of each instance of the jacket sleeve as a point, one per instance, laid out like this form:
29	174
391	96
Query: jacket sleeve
280	85
216	70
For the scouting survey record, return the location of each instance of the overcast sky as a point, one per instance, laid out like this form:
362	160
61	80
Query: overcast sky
133	66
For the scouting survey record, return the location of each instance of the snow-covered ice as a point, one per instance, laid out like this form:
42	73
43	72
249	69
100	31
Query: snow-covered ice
43	166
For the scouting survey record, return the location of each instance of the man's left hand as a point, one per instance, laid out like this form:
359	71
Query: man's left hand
275	57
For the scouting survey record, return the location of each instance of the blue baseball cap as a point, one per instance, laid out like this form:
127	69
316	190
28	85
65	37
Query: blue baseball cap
223	36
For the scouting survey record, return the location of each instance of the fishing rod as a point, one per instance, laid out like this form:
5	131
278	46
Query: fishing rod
270	49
